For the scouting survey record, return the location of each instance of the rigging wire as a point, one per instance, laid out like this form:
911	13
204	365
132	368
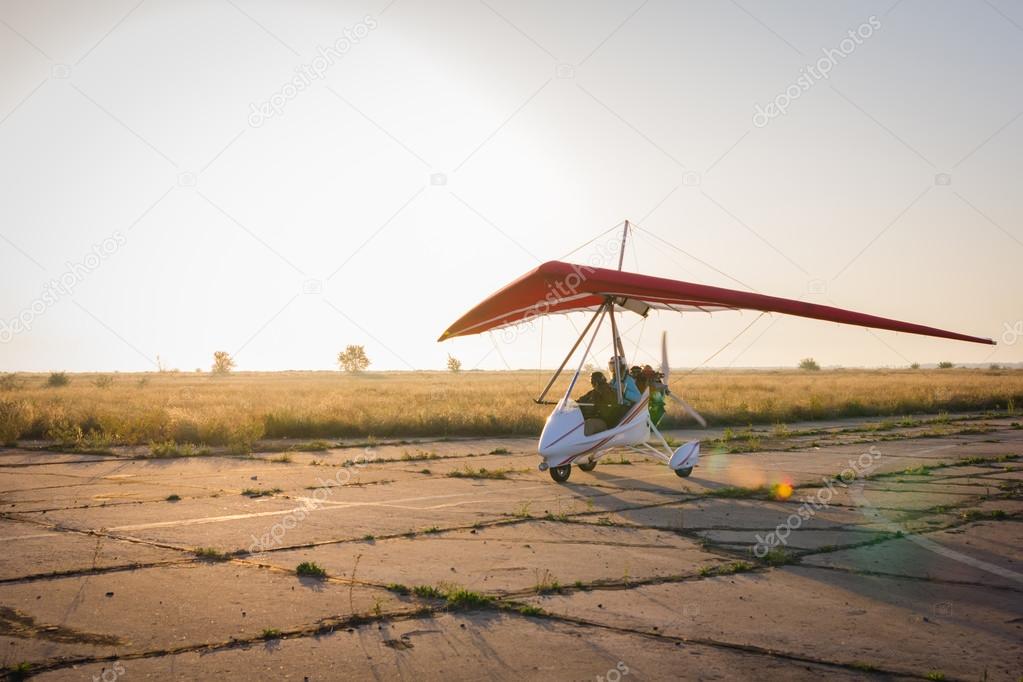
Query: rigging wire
698	260
635	258
539	360
642	328
507	366
734	339
590	241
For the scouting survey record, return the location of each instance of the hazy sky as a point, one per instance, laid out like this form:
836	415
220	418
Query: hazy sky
412	157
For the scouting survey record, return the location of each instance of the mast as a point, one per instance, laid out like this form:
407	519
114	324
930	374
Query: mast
616	342
621	254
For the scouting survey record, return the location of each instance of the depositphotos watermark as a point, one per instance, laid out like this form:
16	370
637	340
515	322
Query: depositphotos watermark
274	536
110	674
812	73
62	286
605	253
614	674
1012	332
307	74
857	469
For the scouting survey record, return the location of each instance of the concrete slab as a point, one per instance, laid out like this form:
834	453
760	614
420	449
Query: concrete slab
985	553
34	550
961	631
170	607
468	646
513	558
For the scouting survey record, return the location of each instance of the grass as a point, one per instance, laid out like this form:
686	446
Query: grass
171	449
737	492
456	597
239	409
20	671
461	598
777	556
314	446
418	455
546	583
529	610
500	451
726	569
256	492
211	554
174	497
270	633
428	592
281	459
482	472
978	515
308	569
935	675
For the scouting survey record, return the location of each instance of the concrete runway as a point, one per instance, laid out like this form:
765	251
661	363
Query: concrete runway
912	566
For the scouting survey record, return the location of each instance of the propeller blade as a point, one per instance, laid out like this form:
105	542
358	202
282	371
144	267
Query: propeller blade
666	372
689	409
664	356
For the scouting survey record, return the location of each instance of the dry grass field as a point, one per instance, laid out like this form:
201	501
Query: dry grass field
93	411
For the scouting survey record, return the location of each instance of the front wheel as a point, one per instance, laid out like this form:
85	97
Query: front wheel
587	466
683	472
560	474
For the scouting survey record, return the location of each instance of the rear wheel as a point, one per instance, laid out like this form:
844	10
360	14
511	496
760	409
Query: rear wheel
560	474
587	466
684	472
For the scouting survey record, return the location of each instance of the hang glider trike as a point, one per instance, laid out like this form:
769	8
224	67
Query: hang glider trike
559	287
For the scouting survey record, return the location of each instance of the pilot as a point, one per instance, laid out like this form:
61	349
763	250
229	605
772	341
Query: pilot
630	393
599	406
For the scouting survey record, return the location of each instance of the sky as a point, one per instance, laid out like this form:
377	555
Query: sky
279	180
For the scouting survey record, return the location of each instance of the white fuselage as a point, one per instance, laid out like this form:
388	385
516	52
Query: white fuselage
563	439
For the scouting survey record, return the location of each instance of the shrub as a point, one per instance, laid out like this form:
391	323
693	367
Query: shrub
223	363
353	359
58	379
103	381
310	570
15	419
454	364
946	365
10	382
65	432
809	364
243	435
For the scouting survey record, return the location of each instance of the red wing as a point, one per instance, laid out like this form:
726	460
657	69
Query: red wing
557	287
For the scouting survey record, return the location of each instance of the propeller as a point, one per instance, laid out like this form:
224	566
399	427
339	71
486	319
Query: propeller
666	371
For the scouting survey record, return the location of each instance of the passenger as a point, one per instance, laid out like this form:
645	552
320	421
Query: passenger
630	394
599	406
637	375
655	382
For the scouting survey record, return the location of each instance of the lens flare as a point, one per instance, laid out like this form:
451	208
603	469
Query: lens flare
783	491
